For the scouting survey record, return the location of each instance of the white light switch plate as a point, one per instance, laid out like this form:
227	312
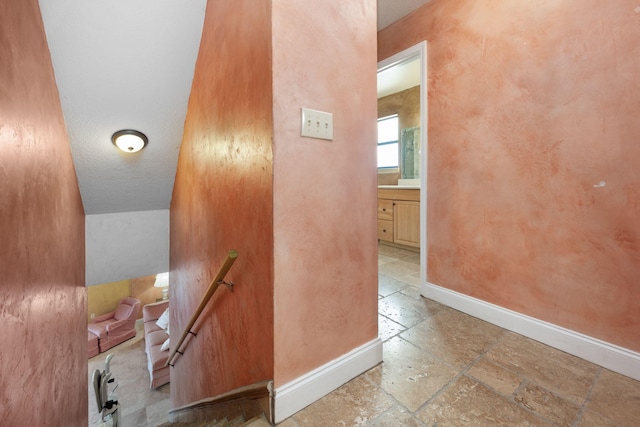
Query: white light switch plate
316	124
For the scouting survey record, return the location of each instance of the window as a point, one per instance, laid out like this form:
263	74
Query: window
388	142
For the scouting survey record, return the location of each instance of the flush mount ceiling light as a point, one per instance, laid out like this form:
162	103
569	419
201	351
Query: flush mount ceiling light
129	140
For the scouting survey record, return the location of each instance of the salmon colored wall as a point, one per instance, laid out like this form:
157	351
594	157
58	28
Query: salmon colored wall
531	104
325	260
222	200
43	362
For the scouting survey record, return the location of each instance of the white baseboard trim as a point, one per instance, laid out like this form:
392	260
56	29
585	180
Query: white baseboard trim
610	356
303	391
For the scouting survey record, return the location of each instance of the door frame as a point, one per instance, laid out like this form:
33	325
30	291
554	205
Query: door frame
419	50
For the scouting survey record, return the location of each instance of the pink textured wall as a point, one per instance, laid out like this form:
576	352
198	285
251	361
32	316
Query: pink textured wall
530	105
325	254
222	200
43	362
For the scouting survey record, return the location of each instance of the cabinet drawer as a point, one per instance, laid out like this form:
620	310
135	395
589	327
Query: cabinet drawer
385	230
385	209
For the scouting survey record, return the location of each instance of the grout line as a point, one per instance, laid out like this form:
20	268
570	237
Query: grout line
465	372
396	402
439	392
587	399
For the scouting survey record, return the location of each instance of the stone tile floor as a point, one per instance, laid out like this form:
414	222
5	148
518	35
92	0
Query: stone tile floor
441	367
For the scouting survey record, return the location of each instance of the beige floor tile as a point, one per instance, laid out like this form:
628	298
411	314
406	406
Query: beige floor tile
388	285
617	397
387	328
454	337
412	279
396	416
398	269
547	405
592	419
414	292
497	378
409	374
355	403
415	258
406	310
561	373
383	259
395	252
469	403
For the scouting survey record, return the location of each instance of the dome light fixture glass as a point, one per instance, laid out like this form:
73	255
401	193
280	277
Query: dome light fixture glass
129	140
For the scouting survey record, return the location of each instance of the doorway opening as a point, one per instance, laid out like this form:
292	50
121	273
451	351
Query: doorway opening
402	72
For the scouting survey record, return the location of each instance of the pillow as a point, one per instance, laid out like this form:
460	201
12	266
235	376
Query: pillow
165	345
163	321
167	330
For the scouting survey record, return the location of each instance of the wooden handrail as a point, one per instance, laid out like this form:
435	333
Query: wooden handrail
213	286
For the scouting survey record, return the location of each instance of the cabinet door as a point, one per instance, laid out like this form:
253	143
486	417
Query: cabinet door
406	223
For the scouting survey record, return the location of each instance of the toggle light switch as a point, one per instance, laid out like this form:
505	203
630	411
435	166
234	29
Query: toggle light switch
316	124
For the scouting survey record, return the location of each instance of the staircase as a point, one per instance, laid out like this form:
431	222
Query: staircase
250	405
253	402
260	421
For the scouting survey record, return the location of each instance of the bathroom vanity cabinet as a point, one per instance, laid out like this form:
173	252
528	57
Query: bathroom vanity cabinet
399	216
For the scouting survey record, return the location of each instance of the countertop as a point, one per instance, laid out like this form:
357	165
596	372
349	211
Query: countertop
400	187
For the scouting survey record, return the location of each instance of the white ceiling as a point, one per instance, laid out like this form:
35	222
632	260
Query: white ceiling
128	64
389	11
123	64
399	77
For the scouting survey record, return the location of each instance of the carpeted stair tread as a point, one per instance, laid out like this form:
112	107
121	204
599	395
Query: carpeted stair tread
260	421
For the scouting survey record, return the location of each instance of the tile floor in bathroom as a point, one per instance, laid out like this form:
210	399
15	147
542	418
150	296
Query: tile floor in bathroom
441	367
